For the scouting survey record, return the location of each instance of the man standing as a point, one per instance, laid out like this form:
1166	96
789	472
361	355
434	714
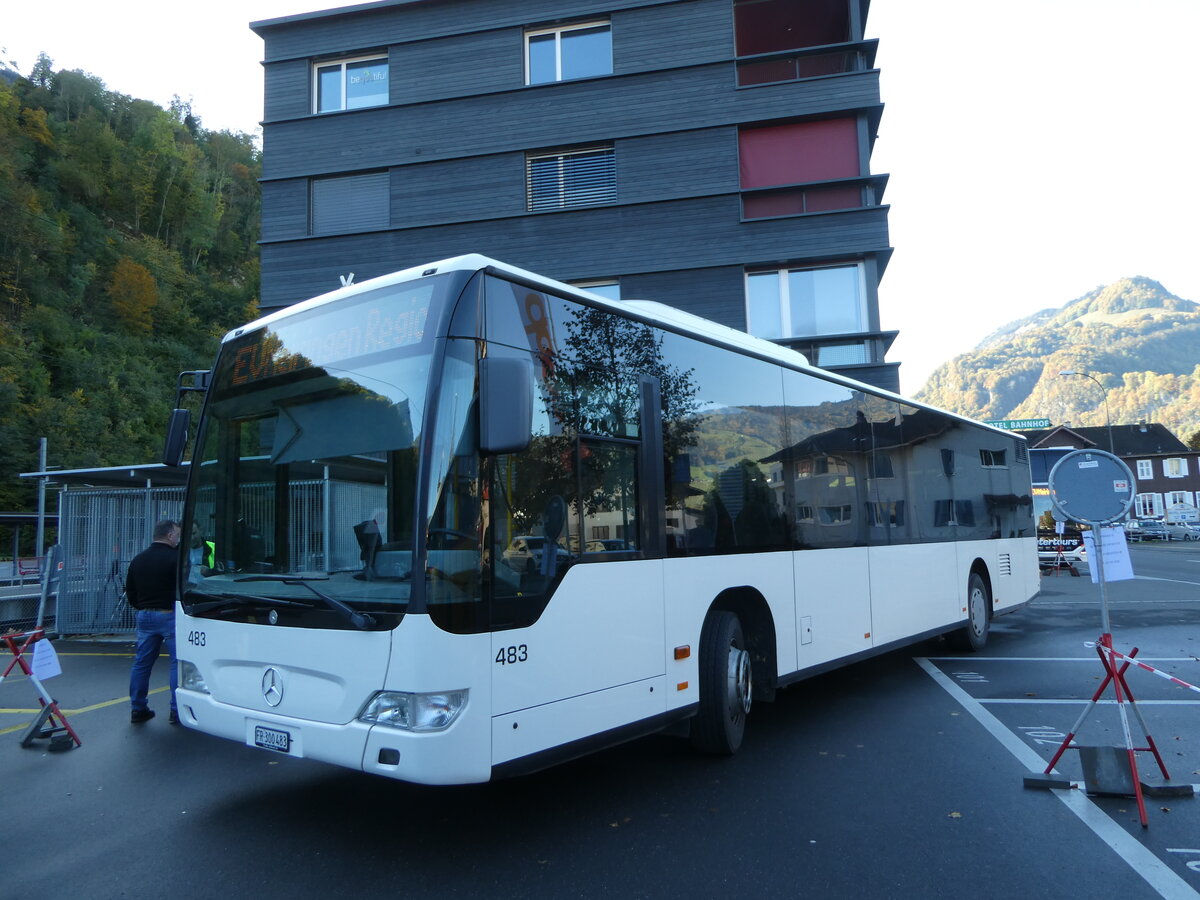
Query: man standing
150	589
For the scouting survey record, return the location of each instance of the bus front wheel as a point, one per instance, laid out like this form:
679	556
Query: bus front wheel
726	686
974	635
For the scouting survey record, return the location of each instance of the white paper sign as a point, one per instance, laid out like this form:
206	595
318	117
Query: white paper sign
1117	566
45	661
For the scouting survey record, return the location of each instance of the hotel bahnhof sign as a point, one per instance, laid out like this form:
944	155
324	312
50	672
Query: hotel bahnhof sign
1019	424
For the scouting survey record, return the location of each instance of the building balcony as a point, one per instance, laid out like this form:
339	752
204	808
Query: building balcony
810	62
813	197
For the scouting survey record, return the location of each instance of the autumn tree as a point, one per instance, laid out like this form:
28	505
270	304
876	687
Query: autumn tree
129	246
134	295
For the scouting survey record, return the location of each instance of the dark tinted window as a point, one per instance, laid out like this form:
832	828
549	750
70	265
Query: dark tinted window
724	432
824	465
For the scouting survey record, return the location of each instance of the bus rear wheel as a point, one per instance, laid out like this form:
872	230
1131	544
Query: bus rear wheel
974	635
726	686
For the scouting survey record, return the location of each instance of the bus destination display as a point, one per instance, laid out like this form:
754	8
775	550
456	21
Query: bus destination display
387	319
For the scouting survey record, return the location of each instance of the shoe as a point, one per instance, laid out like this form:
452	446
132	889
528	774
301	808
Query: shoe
141	715
173	718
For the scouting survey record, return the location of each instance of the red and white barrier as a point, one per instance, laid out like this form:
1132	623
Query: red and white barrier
1141	665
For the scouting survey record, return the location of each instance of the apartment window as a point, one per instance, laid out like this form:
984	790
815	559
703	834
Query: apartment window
1148	505
348	204
766	26
831	465
947	462
992	459
832	355
953	512
567	52
886	513
350	84
788	303
570	178
835	515
1179	498
799	153
609	289
1176	467
1145	469
879	465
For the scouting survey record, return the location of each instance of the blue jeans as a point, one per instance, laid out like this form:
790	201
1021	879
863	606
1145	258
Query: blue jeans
154	628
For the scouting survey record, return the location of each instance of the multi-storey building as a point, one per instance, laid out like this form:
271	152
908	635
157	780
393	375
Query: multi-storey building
713	155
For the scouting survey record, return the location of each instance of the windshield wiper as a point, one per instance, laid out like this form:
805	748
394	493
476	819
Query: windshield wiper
230	601
361	621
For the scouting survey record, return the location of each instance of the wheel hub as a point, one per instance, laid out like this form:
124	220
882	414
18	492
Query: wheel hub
738	682
978	611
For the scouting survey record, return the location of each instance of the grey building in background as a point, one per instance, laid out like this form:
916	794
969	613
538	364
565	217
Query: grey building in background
713	155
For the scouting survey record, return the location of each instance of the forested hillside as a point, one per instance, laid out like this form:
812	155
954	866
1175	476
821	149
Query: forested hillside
1139	341
128	246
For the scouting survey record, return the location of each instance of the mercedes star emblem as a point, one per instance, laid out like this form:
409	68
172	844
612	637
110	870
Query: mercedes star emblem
272	686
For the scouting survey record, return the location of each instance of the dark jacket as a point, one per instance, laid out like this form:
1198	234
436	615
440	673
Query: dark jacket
150	583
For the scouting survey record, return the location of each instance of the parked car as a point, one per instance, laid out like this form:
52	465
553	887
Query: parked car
524	554
1137	530
1182	531
606	545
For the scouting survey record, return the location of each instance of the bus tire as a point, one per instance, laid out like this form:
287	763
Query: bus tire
974	635
726	686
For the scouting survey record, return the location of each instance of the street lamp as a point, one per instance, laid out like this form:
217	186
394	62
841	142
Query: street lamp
1104	394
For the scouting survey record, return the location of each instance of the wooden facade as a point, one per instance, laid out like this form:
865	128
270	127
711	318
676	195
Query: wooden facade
459	121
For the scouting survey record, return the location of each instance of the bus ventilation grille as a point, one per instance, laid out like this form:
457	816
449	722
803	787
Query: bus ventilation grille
1005	564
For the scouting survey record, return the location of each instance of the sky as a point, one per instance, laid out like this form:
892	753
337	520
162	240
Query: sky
1036	149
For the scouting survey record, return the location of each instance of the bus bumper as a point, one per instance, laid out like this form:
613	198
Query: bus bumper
443	757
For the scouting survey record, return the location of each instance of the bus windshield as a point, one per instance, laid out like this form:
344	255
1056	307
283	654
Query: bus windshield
301	503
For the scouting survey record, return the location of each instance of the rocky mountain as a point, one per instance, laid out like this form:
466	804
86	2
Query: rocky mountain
1138	340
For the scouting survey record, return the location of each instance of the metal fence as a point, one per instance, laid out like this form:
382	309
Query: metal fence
100	531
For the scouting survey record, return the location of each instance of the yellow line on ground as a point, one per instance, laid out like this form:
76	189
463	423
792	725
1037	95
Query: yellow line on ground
66	712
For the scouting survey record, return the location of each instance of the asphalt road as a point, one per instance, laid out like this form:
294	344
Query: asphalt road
900	777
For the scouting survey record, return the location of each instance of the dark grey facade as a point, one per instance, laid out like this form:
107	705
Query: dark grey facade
692	165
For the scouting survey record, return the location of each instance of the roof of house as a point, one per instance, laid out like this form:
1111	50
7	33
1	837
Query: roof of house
1143	439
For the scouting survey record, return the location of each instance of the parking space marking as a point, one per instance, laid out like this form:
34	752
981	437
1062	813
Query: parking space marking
1103	702
67	712
1153	870
1087	659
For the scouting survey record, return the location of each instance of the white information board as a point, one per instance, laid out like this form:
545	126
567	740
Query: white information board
1117	566
45	661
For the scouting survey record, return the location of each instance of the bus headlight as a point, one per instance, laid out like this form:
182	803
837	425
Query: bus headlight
190	678
414	712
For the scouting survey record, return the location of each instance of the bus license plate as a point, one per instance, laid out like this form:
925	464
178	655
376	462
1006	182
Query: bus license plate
272	739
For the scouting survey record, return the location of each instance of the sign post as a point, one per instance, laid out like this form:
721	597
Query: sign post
1096	488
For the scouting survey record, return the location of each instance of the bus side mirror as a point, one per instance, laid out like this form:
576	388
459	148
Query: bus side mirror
505	404
177	436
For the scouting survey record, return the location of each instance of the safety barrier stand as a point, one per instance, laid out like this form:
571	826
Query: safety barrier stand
1116	677
1061	562
50	722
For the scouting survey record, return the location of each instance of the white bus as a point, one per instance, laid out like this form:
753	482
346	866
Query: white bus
462	521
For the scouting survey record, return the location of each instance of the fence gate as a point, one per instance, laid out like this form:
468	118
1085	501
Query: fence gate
100	532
